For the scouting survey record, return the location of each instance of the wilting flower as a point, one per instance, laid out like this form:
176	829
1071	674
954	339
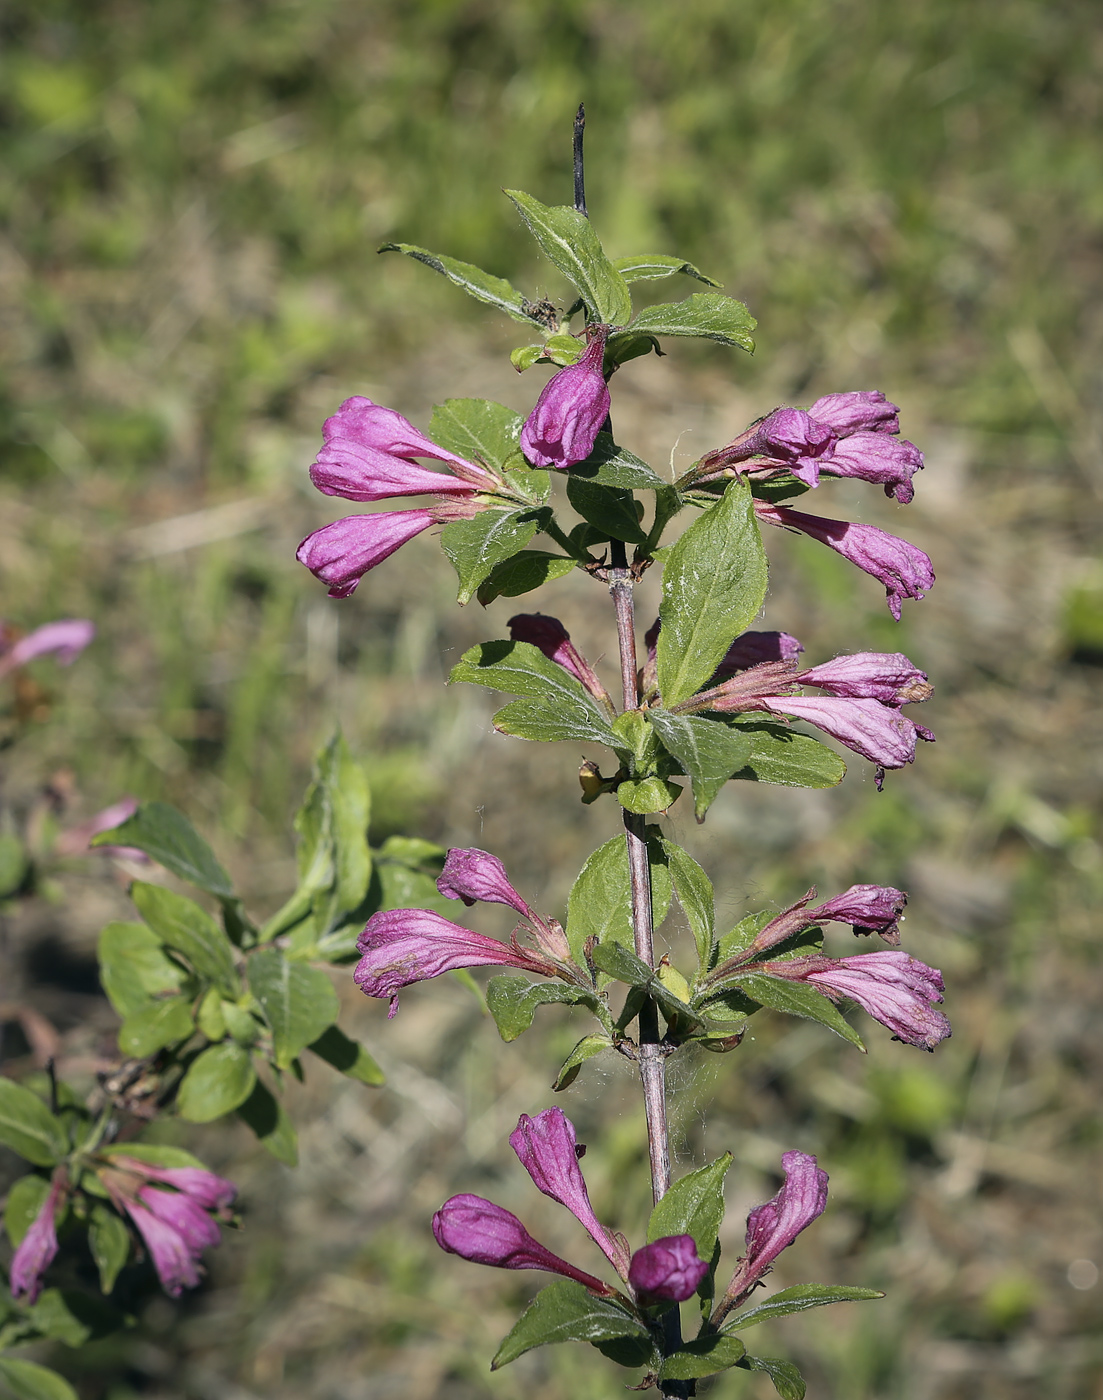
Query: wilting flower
877	732
570	411
553	639
67	638
485	1233
666	1271
546	1148
774	1226
905	570
897	990
886	676
401	946
859	411
38	1247
473	875
867	908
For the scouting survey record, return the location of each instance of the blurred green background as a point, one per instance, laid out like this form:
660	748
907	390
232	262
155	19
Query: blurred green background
908	198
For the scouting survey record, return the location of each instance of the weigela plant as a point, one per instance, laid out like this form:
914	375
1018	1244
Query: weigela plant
709	701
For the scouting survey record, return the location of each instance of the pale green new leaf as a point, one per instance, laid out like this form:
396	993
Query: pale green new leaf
799	1299
483	286
652	267
218	1081
708	315
694	890
187	929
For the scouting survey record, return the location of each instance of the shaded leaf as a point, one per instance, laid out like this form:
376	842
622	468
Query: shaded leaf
609	509
187	929
347	1055
703	1356
708	752
298	1001
218	1081
73	1318
156	1154
785	756
567	239
483	286
28	1127
523	573
29	1381
264	1113
694	890
610	465
617	961
797	999
478	430
586	1049
109	1241
647	795
788	1381
26	1198
477	546
169	838
709	315
519	668
566	1312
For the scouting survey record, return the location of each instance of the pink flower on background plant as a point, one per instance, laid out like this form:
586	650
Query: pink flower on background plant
76	840
666	1271
553	639
38	1247
207	1190
67	638
573	405
484	1233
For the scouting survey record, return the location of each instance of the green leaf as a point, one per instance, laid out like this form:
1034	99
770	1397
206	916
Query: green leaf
264	1113
298	1002
210	1018
797	999
586	1049
709	315
25	1199
617	961
109	1242
694	1205
652	267
600	903
477	430
170	839
218	1081
13	864
609	509
703	1356
784	756
799	1299
743	935
714	582
494	291
519	668
347	1055
646	795
157	1024
788	1381
156	1154
133	966
477	546
187	929
512	1001
694	890
523	573
541	722
610	465
708	752
27	1380
566	1312
28	1127
567	239
73	1318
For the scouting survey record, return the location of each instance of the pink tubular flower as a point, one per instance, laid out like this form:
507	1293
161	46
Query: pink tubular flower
485	1233
886	676
666	1271
473	875
877	457
570	411
368	456
553	639
877	732
67	638
401	946
895	989
342	553
176	1262
207	1190
38	1247
774	1226
905	571
546	1148
190	1221
859	411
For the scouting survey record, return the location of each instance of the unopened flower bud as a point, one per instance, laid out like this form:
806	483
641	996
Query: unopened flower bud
666	1271
570	411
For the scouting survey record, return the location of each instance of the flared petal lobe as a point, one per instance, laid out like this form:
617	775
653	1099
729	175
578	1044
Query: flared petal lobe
897	990
341	554
485	1233
570	411
473	875
667	1271
859	411
37	1249
890	462
194	1226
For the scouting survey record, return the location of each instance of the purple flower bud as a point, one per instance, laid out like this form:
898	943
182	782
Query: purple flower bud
877	457
755	649
203	1187
774	1226
868	909
184	1215
860	411
570	411
870	675
38	1247
545	1146
667	1271
553	639
67	638
401	946
342	553
367	457
472	875
877	732
905	571
895	989
176	1262
479	1230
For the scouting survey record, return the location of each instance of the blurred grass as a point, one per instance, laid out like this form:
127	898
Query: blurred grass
907	198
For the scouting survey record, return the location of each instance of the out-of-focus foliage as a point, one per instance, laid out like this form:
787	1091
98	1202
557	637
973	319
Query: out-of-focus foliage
907	198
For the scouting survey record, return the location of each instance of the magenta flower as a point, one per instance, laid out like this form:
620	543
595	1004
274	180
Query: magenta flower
176	1262
774	1226
401	946
867	909
190	1221
546	1148
368	456
793	439
38	1248
67	638
207	1190
479	1230
877	732
553	639
756	649
905	571
886	676
860	411
889	461
895	989
666	1271
472	875
571	409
